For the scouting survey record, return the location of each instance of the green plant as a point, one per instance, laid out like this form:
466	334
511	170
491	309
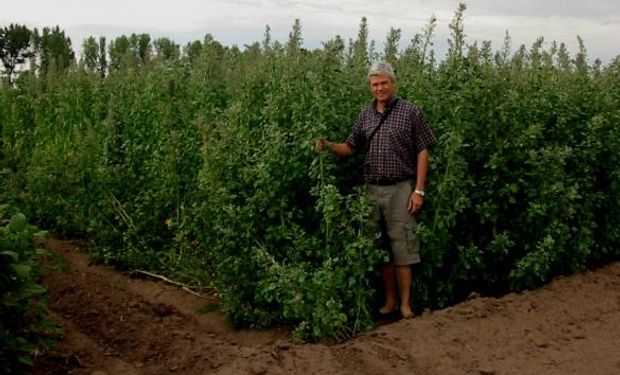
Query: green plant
24	327
201	166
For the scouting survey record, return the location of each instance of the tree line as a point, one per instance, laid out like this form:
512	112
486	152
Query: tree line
50	48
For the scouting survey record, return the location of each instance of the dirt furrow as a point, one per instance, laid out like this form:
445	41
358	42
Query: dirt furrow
116	324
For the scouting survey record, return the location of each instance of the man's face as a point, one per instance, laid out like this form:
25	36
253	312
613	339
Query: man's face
382	87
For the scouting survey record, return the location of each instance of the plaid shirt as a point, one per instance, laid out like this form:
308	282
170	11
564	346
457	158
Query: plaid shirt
393	151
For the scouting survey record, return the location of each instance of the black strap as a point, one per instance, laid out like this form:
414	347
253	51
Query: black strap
386	113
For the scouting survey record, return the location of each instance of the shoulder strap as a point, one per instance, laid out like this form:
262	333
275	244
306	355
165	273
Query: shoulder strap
386	113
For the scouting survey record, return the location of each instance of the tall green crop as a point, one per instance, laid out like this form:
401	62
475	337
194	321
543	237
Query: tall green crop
202	167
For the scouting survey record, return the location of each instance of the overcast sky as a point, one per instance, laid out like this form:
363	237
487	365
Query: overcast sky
243	21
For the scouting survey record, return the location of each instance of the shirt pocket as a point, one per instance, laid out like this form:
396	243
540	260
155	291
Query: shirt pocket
401	136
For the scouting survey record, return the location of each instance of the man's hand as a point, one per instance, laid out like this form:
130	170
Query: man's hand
339	149
320	144
415	203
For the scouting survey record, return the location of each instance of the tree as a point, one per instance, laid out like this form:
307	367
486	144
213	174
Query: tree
193	50
140	47
134	50
94	55
119	48
15	47
90	54
54	49
103	62
166	49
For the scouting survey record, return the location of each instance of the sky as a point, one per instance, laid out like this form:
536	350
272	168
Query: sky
242	22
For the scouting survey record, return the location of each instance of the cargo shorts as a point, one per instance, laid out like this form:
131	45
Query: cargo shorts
398	226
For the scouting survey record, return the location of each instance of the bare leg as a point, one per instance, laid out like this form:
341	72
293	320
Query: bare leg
403	275
388	276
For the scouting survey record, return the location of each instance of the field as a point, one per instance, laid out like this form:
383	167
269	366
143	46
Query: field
127	325
198	164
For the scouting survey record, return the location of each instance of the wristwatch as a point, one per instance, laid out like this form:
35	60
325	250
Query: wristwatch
419	192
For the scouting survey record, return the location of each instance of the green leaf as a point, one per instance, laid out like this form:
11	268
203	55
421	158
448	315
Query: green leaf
43	252
26	359
22	270
35	289
18	222
41	235
12	254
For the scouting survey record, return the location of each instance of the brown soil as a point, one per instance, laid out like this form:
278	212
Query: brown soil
115	324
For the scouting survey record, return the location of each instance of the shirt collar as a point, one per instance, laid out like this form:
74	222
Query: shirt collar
390	104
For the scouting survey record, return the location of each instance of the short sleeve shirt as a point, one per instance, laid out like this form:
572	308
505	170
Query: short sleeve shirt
392	153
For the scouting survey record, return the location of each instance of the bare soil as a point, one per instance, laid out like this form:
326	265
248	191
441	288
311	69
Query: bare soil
116	324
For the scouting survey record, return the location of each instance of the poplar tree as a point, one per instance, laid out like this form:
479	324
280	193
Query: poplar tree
54	49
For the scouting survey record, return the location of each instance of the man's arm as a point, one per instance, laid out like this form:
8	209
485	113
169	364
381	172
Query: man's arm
416	199
339	149
422	169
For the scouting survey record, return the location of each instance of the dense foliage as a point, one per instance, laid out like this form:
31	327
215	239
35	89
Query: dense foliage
201	165
24	326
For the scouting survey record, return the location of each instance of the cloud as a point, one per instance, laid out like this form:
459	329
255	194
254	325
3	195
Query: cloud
533	8
243	21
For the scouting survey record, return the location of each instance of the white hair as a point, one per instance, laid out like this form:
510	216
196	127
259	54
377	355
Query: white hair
381	68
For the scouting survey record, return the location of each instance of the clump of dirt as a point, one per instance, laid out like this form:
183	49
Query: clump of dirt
116	324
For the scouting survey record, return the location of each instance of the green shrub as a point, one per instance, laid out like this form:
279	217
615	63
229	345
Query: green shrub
24	327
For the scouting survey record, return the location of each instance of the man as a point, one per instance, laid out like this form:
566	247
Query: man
396	139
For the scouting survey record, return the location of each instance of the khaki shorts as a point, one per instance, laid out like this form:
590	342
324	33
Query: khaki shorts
398	226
